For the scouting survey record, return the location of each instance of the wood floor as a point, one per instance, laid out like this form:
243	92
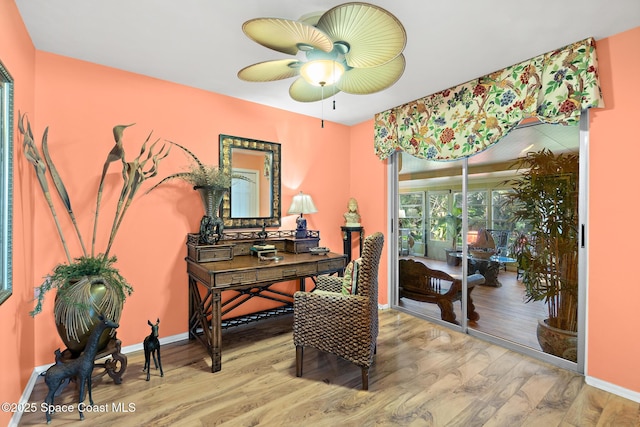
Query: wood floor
423	375
503	312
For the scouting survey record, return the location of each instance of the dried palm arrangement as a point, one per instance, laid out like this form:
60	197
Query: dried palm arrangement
75	278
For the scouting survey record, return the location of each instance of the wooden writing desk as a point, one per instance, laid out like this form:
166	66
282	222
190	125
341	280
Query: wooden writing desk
252	278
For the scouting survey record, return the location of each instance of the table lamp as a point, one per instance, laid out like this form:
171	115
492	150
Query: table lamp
302	204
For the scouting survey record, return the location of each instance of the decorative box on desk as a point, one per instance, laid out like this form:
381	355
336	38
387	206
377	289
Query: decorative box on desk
207	253
264	250
298	246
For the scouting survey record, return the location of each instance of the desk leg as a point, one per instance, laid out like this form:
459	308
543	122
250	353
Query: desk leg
211	337
195	309
216	331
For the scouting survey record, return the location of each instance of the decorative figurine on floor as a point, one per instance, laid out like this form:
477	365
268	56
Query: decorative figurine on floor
81	368
352	217
151	347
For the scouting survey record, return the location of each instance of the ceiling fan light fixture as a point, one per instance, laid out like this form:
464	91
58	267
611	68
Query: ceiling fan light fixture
322	72
355	48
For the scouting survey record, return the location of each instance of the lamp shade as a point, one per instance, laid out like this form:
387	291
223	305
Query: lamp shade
302	204
322	72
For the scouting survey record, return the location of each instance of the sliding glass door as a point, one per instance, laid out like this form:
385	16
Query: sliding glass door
509	216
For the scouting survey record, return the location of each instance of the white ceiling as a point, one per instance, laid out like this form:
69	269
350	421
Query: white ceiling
200	43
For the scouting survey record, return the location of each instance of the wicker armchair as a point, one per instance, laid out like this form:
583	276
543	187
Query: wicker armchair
344	325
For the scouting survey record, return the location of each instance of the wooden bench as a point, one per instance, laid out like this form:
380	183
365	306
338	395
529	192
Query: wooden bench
420	283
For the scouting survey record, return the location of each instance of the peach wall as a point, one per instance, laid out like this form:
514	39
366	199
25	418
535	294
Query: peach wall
614	287
81	102
16	327
368	184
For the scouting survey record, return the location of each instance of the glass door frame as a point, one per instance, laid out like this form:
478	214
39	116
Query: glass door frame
393	203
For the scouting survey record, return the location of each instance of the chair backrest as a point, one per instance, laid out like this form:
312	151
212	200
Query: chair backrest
368	271
501	239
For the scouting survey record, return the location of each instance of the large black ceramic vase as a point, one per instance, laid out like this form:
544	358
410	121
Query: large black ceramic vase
211	225
74	323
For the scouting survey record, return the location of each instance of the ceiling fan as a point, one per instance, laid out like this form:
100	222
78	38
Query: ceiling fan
354	47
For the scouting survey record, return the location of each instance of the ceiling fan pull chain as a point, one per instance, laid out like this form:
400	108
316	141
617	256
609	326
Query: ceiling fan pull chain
334	92
322	103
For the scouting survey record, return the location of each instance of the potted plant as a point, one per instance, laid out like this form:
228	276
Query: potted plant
89	285
546	198
212	182
450	226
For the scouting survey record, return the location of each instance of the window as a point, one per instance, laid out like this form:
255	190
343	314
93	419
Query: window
438	210
6	181
412	206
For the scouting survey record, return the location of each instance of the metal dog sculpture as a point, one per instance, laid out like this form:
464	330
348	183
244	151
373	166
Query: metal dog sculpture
81	368
151	347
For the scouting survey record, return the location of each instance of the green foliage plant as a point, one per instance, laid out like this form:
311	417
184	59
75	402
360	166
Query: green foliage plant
546	198
449	226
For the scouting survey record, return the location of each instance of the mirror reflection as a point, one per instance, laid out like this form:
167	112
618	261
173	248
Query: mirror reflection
251	197
254	198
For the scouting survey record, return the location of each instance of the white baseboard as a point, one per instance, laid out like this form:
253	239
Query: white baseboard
612	388
15	419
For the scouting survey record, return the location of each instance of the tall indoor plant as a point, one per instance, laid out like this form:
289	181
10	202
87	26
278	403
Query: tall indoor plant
88	285
546	198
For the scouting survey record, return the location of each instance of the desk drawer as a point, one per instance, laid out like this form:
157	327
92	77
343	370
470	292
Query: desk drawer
235	278
268	274
285	272
331	265
301	270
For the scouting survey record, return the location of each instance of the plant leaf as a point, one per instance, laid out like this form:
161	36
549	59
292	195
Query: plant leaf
57	181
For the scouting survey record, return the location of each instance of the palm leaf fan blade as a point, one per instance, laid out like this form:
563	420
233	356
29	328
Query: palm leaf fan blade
361	81
285	35
374	35
302	91
269	71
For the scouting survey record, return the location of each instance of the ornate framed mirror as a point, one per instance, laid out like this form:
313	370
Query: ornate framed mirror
254	198
6	182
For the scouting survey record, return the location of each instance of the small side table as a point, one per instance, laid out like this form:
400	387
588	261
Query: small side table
346	240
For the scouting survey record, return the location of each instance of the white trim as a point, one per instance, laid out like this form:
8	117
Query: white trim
583	251
393	205
612	388
38	370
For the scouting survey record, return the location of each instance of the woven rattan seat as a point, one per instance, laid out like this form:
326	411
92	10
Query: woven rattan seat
344	325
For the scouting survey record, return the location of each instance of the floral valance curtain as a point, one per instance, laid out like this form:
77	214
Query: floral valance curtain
469	118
